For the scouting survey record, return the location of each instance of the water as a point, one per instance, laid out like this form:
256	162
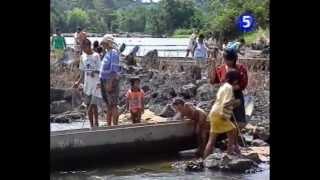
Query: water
154	170
167	47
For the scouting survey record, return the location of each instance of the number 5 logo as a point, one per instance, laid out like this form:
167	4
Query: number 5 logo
246	20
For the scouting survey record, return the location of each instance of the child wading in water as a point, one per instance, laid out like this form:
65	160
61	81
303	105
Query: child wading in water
201	125
221	113
135	100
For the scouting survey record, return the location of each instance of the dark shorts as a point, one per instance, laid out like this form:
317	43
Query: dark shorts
239	112
110	98
89	99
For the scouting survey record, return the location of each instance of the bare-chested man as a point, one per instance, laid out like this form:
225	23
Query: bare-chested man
201	125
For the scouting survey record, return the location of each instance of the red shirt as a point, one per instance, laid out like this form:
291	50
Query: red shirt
220	73
135	99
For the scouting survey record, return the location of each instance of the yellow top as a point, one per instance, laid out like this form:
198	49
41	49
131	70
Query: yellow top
223	103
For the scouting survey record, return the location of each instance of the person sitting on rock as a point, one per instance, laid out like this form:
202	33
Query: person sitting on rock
201	125
135	100
221	113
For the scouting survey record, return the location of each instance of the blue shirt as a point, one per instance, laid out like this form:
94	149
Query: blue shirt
110	65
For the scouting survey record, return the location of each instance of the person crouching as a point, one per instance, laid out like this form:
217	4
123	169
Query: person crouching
199	117
135	100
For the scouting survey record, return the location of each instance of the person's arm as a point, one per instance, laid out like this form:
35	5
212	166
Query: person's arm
244	78
81	78
64	43
127	100
142	101
177	116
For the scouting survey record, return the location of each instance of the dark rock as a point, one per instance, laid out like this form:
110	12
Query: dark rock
67	117
206	92
156	108
205	105
253	156
195	72
188	91
261	133
201	82
227	162
56	94
167	111
57	107
145	88
258	142
194	166
241	164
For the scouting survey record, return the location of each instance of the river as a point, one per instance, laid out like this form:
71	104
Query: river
154	169
146	169
167	47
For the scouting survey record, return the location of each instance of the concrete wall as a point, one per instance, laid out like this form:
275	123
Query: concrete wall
74	146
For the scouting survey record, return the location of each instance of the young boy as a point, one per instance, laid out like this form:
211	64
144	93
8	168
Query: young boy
135	100
221	113
201	125
89	66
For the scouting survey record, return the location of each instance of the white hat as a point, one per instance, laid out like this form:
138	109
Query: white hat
108	37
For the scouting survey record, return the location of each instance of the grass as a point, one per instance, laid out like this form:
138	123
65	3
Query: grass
180	36
254	36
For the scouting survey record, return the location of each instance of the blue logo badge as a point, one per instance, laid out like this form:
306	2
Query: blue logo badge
246	22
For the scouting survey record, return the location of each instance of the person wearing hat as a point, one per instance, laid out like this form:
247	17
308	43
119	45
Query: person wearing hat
135	100
109	77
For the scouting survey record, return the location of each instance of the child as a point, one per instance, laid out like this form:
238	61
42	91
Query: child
201	125
221	113
89	66
135	100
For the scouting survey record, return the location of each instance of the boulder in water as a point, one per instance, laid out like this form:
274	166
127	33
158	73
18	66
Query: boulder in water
227	162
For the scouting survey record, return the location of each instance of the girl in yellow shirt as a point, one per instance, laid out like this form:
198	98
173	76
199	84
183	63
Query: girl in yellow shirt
221	113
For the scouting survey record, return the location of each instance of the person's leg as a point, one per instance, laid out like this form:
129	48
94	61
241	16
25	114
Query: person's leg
231	138
109	115
90	115
115	115
138	117
210	145
133	117
95	115
203	141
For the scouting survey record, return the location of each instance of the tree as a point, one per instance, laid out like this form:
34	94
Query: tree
77	17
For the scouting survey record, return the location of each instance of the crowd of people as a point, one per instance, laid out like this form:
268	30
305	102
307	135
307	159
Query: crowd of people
100	75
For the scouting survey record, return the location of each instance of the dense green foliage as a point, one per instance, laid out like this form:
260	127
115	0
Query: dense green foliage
172	17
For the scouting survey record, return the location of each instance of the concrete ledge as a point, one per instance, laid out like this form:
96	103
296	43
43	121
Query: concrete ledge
120	142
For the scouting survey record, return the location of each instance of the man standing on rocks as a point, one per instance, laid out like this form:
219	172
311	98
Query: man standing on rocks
200	54
218	75
109	77
192	41
58	44
90	66
201	125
